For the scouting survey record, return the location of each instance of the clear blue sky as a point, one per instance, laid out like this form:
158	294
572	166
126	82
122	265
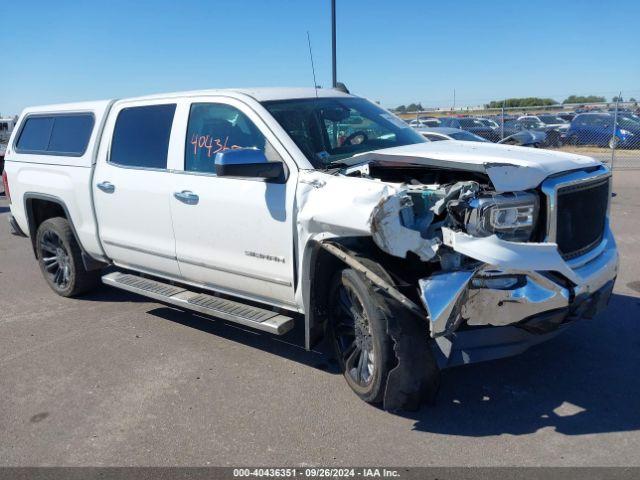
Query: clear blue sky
392	51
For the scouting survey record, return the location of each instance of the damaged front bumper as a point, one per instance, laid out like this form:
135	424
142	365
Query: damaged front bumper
527	291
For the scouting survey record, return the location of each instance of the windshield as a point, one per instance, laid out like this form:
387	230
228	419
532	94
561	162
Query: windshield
551	119
531	123
470	122
331	129
626	122
489	123
629	116
466	136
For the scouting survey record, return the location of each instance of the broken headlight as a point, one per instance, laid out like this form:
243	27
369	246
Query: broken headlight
510	216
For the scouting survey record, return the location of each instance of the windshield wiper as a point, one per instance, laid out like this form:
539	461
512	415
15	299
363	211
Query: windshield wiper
338	163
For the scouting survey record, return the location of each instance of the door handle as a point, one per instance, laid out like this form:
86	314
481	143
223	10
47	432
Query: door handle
187	197
106	187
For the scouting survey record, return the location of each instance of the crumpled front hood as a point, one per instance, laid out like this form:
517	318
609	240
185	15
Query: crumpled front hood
510	168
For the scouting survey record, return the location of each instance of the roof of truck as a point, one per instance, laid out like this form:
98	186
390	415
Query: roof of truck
262	94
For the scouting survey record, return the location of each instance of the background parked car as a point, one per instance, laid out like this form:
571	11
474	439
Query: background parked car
537	134
445	133
425	122
489	123
552	120
525	138
568	116
472	125
554	132
597	129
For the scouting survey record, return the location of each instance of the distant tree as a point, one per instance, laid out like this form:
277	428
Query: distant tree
521	102
632	100
401	109
617	99
584	99
414	107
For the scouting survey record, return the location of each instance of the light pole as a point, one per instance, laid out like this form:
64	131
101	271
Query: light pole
333	43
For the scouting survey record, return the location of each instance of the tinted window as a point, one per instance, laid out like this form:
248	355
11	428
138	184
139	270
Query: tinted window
470	122
550	119
579	120
594	120
71	134
216	127
35	134
467	137
56	134
141	136
434	138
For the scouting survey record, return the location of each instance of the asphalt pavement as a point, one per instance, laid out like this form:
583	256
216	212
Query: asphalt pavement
113	379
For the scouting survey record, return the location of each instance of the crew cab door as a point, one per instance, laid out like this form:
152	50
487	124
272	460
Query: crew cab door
132	187
232	234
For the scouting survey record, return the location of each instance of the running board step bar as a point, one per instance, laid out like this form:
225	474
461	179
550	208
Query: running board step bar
236	312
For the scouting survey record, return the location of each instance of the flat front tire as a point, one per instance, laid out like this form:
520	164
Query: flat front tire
60	259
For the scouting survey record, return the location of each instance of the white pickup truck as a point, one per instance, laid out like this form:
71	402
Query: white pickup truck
269	207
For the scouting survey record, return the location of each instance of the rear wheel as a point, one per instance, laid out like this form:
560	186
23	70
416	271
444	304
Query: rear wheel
60	259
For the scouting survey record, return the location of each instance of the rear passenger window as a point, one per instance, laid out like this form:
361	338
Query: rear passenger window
65	135
141	136
216	127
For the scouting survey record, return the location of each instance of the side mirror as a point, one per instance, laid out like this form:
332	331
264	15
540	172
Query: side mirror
247	163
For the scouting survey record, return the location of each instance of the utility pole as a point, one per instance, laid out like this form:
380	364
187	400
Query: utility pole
614	138
454	99
333	43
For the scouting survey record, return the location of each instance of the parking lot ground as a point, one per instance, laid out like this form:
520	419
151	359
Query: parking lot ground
112	379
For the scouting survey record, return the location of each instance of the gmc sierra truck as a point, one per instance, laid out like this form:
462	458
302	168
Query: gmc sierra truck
268	207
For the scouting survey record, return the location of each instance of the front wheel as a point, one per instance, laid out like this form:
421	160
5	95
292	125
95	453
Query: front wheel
358	330
60	259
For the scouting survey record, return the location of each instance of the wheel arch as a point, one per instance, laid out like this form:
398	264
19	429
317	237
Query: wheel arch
320	267
39	207
325	258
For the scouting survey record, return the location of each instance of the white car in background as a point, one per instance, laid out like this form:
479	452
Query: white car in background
547	120
424	122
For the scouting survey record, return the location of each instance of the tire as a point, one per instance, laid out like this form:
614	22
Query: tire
60	259
358	331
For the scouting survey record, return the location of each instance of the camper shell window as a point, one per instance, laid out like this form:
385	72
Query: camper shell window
61	134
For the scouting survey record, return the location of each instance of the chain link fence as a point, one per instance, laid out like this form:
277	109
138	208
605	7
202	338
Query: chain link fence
609	132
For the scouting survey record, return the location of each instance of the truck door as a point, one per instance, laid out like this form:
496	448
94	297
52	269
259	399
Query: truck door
232	234
132	188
